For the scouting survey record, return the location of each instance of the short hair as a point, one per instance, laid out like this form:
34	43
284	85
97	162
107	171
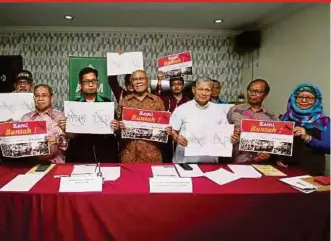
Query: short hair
202	79
216	81
266	85
50	89
176	78
136	71
127	79
85	71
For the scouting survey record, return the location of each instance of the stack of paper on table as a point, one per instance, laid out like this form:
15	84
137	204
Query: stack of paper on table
245	171
268	170
195	172
166	180
21	183
299	184
320	187
164	171
221	176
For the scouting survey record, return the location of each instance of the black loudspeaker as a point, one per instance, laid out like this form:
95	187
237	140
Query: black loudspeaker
10	66
247	42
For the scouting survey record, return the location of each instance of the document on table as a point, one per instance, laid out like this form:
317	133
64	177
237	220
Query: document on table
170	185
164	171
221	176
110	173
81	184
245	171
84	170
22	183
269	170
195	172
299	184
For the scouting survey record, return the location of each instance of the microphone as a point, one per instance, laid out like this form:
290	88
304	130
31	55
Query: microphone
97	168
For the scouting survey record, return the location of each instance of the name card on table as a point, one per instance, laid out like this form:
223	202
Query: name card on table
81	184
170	185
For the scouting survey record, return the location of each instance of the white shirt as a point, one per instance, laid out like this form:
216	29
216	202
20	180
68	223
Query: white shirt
192	112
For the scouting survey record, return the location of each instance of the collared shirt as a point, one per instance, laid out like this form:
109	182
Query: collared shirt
170	102
220	101
51	117
140	150
241	112
99	98
192	112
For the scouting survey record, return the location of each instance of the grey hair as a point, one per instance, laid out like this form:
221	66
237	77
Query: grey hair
202	79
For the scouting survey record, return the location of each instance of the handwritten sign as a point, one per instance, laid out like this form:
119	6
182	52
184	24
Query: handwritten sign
209	140
275	137
15	105
89	117
126	63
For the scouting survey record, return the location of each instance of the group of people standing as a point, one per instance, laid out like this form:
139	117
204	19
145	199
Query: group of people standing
305	108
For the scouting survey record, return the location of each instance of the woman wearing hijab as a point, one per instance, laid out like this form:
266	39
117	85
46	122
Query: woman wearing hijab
312	129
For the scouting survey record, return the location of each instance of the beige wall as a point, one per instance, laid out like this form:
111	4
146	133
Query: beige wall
295	49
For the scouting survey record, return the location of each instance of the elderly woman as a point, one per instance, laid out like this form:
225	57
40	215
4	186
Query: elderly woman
312	129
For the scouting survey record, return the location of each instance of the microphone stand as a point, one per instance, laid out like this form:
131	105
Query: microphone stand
98	168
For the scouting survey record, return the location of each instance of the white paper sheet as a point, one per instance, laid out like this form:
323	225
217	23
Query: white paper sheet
110	173
299	184
22	183
81	184
126	63
209	140
89	117
83	170
164	171
221	176
245	171
15	105
170	185
195	172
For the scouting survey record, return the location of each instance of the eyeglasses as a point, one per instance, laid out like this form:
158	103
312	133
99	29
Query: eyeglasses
138	78
257	92
89	81
41	96
308	98
23	82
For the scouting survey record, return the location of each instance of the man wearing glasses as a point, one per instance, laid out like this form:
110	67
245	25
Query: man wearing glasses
91	147
134	151
57	140
257	90
23	82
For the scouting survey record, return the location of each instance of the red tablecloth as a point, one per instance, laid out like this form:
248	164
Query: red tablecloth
247	209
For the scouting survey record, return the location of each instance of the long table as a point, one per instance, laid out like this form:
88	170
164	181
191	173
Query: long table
247	209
